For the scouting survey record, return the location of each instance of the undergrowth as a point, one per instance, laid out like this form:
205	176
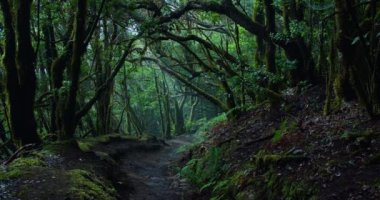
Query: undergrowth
203	171
201	134
286	126
254	179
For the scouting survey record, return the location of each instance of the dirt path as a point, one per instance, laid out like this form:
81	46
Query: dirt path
151	173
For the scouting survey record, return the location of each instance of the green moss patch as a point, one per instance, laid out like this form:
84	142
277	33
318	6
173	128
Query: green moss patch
85	185
20	167
87	144
57	172
264	159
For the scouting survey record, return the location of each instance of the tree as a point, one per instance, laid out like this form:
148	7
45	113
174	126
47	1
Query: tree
18	60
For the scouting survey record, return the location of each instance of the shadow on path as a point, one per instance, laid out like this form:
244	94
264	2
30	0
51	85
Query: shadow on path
152	175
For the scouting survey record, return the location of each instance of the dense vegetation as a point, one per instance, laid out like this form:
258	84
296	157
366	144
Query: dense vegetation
74	69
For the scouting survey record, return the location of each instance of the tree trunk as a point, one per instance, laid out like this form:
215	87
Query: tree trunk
270	49
258	16
19	60
68	117
179	120
354	66
103	72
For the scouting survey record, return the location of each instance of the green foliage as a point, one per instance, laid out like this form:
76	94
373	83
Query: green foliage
235	183
277	136
286	126
65	88
228	187
298	29
203	171
202	127
273	186
207	124
297	190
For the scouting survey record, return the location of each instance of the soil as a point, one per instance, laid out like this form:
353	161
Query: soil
341	151
139	170
152	175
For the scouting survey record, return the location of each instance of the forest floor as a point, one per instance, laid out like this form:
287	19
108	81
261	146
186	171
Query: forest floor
103	168
293	153
152	175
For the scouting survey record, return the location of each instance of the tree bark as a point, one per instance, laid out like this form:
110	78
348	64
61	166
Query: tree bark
68	117
19	60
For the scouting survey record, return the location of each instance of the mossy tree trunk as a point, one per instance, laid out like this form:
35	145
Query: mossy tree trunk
296	49
103	72
179	126
194	104
19	60
258	16
68	120
166	108
51	54
357	59
270	49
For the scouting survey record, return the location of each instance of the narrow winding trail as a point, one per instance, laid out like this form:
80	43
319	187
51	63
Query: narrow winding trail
151	172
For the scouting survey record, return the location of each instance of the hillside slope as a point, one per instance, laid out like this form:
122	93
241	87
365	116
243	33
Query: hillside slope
296	153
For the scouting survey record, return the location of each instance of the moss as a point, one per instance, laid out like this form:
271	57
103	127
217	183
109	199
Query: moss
20	167
327	105
263	159
286	126
60	146
338	90
296	190
85	185
274	186
87	144
26	162
240	184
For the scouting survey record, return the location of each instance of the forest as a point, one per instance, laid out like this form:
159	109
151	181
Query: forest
189	99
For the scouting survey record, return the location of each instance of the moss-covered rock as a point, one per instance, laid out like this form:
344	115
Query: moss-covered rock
85	185
20	167
60	170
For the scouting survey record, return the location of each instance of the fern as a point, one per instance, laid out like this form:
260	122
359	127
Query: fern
203	171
